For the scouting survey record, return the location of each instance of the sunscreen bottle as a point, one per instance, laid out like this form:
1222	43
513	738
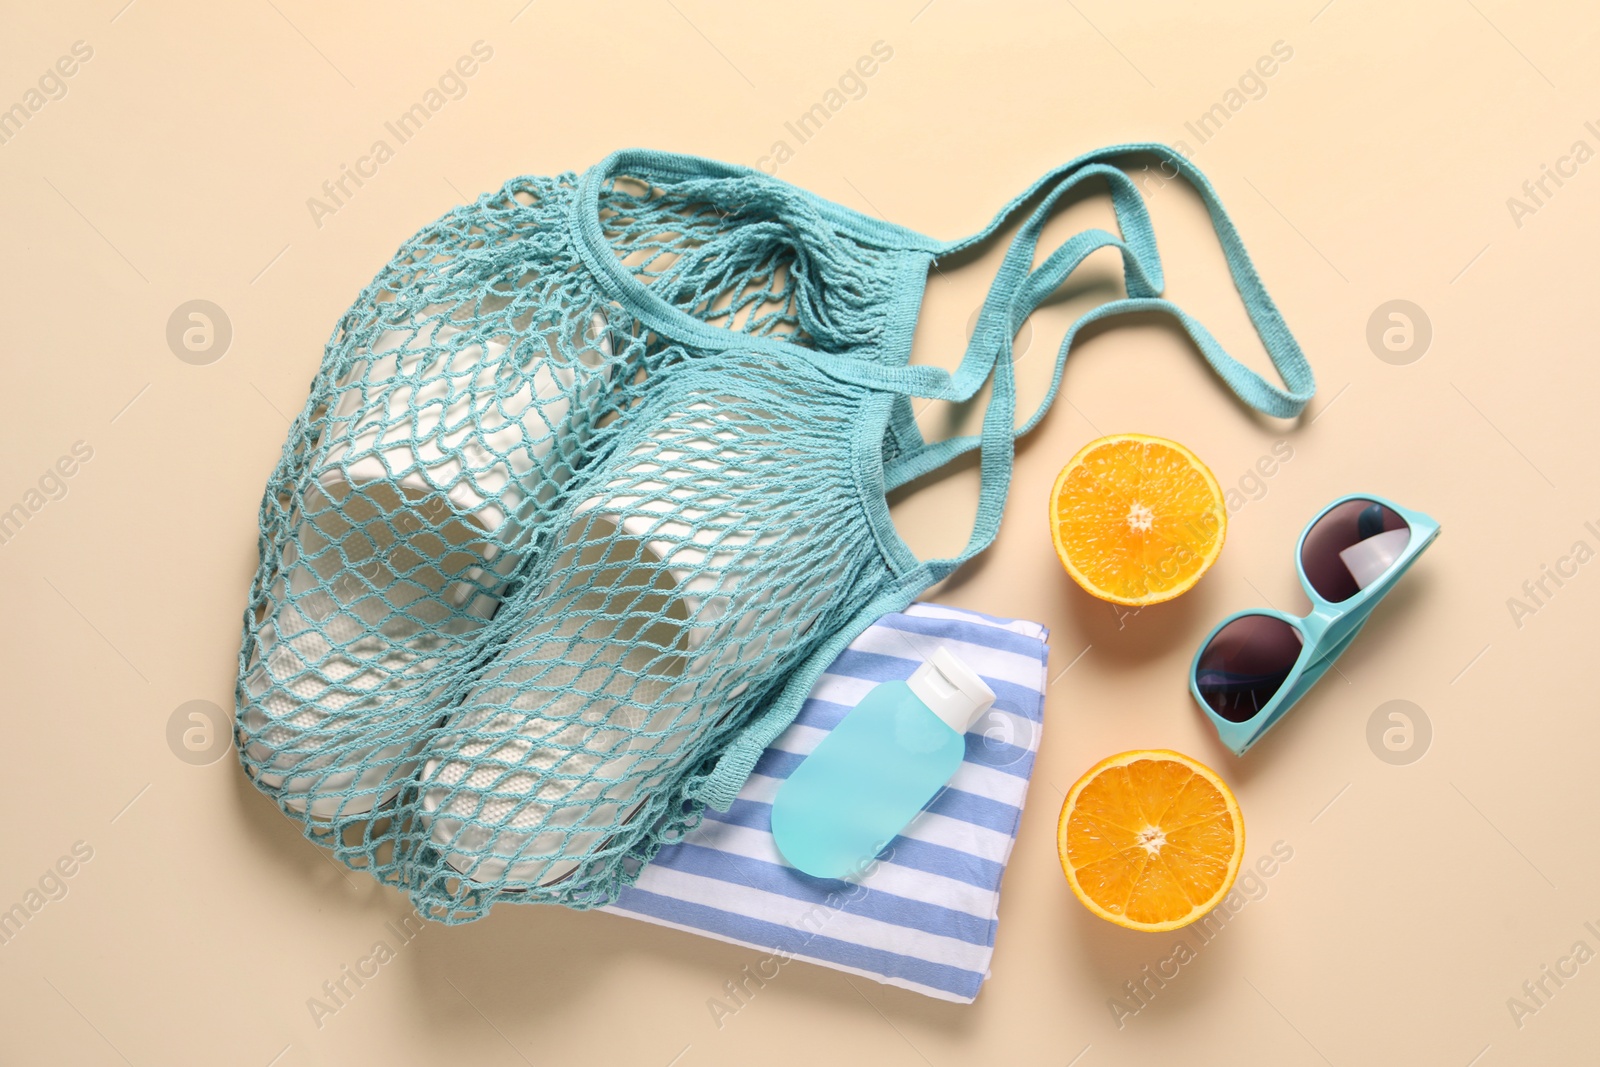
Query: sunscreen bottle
878	768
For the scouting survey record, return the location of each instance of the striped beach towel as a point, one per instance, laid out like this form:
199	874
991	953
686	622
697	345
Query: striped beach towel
924	916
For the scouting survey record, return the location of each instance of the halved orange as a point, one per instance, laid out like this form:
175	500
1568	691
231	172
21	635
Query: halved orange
1150	839
1137	519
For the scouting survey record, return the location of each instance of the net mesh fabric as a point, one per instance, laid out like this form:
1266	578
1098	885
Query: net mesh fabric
745	255
693	570
527	564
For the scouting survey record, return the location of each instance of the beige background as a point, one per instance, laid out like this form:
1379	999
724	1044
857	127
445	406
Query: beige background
1375	166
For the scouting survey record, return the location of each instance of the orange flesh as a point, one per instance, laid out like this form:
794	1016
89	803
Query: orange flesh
1150	840
1136	519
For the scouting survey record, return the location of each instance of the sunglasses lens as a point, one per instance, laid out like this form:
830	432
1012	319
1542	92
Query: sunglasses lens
1351	547
1245	665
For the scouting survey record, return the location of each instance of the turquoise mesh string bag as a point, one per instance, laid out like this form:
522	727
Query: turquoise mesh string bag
590	489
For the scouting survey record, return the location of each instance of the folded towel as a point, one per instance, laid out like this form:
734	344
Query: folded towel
924	916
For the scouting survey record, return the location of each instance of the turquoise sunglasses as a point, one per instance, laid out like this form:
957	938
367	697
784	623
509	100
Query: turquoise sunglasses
1257	664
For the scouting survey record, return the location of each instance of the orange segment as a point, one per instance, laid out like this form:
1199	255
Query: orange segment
1136	519
1150	839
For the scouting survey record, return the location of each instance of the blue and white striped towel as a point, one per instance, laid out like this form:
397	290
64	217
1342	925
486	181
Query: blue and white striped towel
924	917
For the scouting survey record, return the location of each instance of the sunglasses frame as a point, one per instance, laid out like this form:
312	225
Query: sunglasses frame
1324	633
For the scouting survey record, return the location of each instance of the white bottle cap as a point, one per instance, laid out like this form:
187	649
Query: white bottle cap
951	689
1371	559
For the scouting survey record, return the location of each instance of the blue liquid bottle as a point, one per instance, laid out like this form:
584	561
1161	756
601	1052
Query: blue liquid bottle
877	769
